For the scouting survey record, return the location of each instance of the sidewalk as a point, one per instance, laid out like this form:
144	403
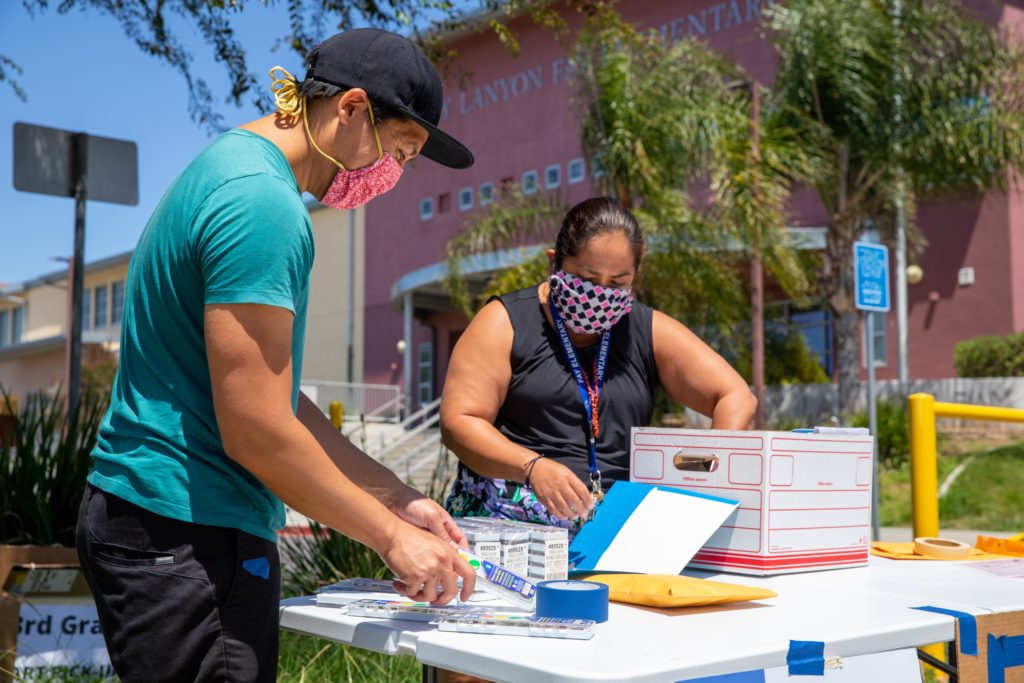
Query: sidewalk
969	536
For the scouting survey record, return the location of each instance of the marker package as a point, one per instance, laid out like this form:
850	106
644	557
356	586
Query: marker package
542	627
540	572
515	549
483	541
502	583
548	546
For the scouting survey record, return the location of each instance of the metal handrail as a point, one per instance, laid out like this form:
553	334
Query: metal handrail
425	409
427	423
924	478
407	459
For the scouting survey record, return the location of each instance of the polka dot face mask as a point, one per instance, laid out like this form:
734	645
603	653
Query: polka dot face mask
587	308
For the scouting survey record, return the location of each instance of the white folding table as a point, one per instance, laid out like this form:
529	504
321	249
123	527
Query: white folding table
852	611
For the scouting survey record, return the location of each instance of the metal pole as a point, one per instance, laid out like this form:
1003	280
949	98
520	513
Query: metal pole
757	272
924	471
901	219
869	351
407	353
77	272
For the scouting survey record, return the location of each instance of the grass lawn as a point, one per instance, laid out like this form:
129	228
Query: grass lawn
988	494
304	659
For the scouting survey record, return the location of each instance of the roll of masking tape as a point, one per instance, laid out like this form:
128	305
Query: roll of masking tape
571	599
941	548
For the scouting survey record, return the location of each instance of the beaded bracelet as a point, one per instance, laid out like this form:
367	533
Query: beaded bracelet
529	468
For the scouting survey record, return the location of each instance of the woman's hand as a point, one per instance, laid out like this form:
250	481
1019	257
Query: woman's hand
560	490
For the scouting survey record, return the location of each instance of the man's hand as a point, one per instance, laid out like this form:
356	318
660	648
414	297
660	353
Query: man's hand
428	569
418	510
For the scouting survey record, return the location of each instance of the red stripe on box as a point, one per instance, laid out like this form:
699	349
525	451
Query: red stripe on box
729	559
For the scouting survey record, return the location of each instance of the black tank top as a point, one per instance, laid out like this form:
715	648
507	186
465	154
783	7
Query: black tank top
543	410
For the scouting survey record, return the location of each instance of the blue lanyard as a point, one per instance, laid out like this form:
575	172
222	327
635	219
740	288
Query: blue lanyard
577	373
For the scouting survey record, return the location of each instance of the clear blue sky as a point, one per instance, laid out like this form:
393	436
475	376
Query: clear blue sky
82	73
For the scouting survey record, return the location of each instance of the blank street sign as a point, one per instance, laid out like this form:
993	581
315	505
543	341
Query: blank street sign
43	161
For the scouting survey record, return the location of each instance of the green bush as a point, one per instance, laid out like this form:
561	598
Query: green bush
788	360
44	465
893	435
991	356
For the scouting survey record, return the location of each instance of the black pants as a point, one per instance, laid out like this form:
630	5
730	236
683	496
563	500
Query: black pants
179	601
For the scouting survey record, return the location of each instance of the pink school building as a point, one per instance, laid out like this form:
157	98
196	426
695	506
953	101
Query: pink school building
516	116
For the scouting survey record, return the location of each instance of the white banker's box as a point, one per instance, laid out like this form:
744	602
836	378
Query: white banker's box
805	499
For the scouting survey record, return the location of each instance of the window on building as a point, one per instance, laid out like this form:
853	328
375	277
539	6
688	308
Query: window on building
86	309
99	316
426	208
466	199
597	167
444	202
425	383
529	182
116	302
576	170
17	324
486	194
5	334
552	176
815	325
879	335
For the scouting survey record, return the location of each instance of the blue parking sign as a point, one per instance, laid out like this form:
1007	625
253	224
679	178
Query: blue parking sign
871	276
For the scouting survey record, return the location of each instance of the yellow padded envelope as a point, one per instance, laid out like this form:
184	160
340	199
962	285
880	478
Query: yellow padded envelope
671	590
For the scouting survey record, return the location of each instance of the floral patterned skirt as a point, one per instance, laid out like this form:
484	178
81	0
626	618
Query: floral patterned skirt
476	496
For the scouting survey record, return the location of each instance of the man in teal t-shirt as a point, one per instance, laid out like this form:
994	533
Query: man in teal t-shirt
207	432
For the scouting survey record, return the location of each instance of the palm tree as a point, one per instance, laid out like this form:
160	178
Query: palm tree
927	105
672	136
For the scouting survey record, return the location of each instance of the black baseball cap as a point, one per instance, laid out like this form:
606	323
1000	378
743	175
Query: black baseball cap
394	71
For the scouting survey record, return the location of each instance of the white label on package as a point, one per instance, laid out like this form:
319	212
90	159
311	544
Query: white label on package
46	581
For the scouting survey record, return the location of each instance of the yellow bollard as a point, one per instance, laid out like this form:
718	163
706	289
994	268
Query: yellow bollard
924	467
337	414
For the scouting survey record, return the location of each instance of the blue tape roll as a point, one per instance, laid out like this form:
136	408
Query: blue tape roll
571	599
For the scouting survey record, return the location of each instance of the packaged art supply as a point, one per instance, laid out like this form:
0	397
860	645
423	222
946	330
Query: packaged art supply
546	548
483	541
410	611
350	590
515	549
541	627
539	572
360	585
505	585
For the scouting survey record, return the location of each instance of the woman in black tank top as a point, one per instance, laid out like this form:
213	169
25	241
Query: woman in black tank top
515	405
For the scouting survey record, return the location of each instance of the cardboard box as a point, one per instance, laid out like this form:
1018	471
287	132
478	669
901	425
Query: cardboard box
805	499
48	623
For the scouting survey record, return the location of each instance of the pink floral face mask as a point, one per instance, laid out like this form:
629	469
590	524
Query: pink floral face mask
587	308
350	189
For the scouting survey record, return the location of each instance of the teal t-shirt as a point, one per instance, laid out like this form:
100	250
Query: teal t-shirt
232	228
